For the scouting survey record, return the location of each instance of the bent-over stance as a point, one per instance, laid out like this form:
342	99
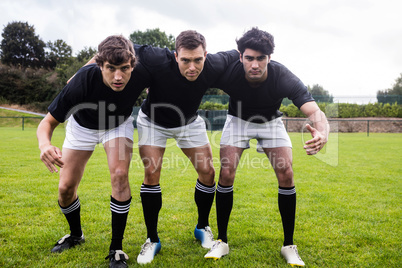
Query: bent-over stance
256	86
98	104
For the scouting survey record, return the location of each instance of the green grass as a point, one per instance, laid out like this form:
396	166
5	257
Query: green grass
348	210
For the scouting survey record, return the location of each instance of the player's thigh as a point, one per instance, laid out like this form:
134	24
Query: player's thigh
230	156
229	159
74	166
200	157
119	152
280	157
152	158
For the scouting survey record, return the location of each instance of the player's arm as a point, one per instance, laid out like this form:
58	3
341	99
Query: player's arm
89	62
320	129
49	154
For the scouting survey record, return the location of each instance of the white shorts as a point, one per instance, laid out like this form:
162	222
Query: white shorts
85	139
188	136
238	132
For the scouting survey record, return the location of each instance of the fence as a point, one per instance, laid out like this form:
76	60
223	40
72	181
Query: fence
215	120
350	125
362	99
23	118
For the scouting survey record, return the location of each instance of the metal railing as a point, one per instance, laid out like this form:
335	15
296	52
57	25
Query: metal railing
22	119
216	120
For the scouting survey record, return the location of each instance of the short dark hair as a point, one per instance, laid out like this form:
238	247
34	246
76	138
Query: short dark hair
257	40
116	49
190	39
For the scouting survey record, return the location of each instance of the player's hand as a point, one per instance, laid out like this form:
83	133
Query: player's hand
51	157
318	141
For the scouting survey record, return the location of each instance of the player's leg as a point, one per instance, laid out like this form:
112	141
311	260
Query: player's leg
70	177
119	153
235	139
201	158
229	158
152	142
281	161
193	141
277	146
151	195
151	199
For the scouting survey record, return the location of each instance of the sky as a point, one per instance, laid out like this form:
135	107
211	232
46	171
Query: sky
352	48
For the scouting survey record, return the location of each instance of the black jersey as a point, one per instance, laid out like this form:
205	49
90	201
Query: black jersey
93	104
262	103
172	100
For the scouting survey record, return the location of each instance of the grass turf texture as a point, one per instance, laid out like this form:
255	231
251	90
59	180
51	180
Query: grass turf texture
348	213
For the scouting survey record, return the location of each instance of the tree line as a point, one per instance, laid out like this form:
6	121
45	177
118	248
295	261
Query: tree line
34	72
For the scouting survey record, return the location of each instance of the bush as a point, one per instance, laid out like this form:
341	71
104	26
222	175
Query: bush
213	106
347	110
291	111
373	110
23	86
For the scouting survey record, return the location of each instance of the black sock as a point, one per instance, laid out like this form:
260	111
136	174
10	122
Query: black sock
72	214
224	204
204	197
151	198
119	220
287	209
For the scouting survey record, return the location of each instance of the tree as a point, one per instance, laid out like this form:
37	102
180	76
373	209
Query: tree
59	53
21	47
393	94
154	38
320	94
86	54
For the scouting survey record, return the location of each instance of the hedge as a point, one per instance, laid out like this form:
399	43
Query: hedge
347	110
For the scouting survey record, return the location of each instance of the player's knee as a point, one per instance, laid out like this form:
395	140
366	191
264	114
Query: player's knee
120	180
119	177
285	176
120	174
206	171
151	176
66	192
227	176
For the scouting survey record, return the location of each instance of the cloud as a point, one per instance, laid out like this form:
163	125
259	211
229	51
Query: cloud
349	47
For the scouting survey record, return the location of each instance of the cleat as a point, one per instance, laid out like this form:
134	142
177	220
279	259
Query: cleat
148	251
205	236
218	250
67	242
292	256
117	259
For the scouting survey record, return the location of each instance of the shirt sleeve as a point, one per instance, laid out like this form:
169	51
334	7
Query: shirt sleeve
71	95
293	87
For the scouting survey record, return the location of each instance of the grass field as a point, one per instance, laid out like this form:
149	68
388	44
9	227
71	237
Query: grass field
348	211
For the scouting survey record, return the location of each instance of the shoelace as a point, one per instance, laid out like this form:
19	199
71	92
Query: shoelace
145	247
216	245
297	253
209	233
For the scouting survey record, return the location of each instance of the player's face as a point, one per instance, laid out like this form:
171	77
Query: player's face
116	76
191	62
255	65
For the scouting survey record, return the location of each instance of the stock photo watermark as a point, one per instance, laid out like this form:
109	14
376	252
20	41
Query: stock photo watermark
272	129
